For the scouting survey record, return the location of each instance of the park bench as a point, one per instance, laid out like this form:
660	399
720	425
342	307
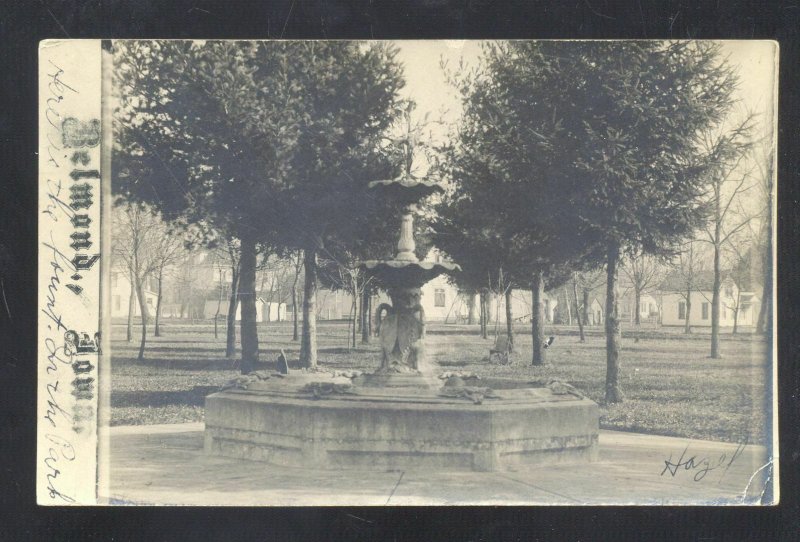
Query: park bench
501	350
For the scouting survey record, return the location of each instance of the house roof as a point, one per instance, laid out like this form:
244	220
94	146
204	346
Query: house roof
703	281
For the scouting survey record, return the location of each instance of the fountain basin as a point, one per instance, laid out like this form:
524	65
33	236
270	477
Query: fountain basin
280	422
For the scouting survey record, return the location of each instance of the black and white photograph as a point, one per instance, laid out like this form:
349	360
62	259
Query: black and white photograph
410	272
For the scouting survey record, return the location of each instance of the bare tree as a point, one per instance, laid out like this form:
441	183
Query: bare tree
221	290
144	244
470	296
644	272
578	316
739	259
765	172
166	252
275	273
729	178
586	282
297	268
691	262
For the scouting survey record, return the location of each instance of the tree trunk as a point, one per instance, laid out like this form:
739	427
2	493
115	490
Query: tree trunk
354	311
219	306
358	298
365	312
637	309
233	304
248	327
688	328
157	331
567	306
578	310
295	316
537	319
143	309
308	343
509	321
715	301
613	338
471	308
131	311
586	307
369	315
484	313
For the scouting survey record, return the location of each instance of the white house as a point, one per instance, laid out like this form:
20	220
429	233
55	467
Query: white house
674	306
121	294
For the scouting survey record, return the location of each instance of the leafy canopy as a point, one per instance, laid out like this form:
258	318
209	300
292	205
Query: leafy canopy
276	140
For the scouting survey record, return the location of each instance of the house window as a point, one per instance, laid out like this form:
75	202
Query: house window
704	310
150	301
114	279
681	310
117	303
438	297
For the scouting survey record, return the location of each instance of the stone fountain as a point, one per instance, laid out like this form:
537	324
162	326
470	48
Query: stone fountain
402	330
404	414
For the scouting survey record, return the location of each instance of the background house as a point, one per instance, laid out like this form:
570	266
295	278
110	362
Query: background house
121	294
732	299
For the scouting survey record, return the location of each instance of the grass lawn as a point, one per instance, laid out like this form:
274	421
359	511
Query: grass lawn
671	387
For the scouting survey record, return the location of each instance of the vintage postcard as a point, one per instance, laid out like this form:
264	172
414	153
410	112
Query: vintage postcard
309	273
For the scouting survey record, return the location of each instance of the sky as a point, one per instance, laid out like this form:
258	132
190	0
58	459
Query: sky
426	84
754	60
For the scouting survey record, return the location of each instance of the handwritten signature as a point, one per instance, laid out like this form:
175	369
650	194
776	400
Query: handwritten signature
701	465
60	449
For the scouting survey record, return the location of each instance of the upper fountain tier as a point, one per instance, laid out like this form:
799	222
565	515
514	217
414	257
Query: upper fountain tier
405	270
407	189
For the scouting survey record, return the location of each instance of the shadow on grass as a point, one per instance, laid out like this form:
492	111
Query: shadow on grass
183	350
167	339
361	349
222	364
194	397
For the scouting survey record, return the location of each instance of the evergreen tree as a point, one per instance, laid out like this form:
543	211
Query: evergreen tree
581	145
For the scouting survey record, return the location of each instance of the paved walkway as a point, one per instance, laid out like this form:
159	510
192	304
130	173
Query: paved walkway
166	465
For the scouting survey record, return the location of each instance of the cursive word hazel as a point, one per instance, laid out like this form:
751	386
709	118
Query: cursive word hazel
701	465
